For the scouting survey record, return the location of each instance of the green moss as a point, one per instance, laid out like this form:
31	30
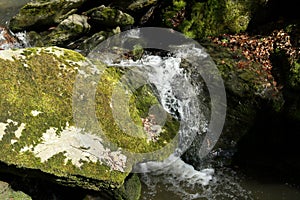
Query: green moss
294	76
38	85
110	17
42	79
131	190
42	13
209	18
45	84
138	107
137	51
140	4
28	16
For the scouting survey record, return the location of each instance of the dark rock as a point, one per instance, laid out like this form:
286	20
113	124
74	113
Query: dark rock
109	17
69	29
246	92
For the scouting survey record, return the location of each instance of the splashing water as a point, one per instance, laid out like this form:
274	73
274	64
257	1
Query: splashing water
179	99
173	177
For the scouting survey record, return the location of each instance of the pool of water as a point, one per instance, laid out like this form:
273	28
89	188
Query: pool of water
227	184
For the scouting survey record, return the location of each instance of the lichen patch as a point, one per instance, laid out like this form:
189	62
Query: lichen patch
18	132
2	129
78	147
35	113
10	55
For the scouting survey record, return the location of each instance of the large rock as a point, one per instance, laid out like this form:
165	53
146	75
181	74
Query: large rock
109	17
134	5
69	29
212	17
38	14
38	127
248	89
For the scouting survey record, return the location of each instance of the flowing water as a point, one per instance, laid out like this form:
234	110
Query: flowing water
173	178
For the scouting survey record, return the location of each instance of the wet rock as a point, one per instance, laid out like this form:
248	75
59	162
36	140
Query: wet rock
110	17
39	14
140	4
69	29
134	5
85	46
247	91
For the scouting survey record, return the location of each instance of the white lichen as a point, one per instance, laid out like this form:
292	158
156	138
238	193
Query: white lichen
77	147
2	129
35	113
18	132
11	54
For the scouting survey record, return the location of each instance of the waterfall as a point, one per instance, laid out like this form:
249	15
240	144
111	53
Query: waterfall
179	98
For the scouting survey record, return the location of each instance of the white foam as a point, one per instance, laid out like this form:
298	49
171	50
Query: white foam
176	170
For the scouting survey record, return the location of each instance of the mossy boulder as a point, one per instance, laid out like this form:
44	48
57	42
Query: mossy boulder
248	88
68	30
208	18
134	5
40	13
38	130
109	17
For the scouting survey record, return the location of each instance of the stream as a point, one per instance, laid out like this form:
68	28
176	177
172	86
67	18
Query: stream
179	180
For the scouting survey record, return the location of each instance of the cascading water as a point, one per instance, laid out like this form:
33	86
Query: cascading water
173	174
180	97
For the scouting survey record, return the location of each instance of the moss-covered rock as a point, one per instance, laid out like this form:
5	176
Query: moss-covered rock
140	4
110	17
200	19
40	13
134	5
69	29
37	126
88	44
248	89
